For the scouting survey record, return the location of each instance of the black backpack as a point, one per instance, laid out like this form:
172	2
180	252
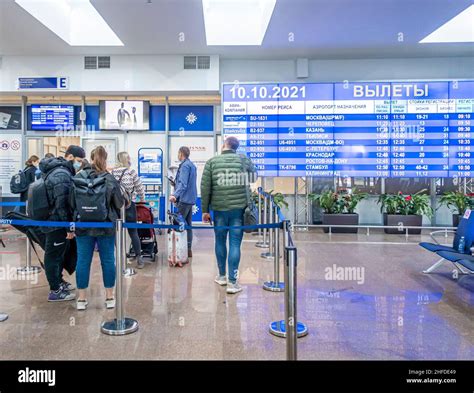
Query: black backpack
90	197
18	182
39	206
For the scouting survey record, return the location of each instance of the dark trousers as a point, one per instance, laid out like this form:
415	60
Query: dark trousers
55	248
131	216
186	210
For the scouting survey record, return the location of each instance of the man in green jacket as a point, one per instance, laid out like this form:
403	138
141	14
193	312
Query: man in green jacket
225	189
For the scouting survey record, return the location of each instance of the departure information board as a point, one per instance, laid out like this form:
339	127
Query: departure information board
50	117
376	129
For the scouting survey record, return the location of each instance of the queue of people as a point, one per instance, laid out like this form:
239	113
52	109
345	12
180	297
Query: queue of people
68	179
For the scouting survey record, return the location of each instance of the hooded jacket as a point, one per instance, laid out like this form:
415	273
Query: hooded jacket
58	173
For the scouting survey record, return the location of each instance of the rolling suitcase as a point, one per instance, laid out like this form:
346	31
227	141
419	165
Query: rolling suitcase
177	243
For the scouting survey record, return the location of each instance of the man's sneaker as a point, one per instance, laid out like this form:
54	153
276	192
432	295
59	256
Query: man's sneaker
81	304
233	288
60	295
221	280
67	286
110	303
140	263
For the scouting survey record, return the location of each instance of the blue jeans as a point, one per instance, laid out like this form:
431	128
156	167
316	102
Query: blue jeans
85	252
228	218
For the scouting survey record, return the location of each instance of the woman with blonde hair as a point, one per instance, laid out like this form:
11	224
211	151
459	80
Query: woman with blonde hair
104	237
132	184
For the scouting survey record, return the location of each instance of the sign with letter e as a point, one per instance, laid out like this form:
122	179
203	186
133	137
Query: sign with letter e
44	83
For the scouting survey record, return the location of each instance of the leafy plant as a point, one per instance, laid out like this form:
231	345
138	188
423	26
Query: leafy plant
279	199
341	202
457	201
414	204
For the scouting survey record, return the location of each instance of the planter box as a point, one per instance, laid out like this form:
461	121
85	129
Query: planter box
398	220
341	219
456	219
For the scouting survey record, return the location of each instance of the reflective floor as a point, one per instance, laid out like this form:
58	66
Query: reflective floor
380	307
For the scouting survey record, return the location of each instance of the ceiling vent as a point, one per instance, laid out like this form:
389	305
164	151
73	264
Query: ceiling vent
103	62
90	62
94	62
204	62
197	62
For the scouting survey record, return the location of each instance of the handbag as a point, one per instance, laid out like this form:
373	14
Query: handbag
251	211
126	195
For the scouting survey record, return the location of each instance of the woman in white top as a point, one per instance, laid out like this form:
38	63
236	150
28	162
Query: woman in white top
129	180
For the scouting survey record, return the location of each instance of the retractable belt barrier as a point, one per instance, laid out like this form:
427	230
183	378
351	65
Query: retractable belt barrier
13	204
274	223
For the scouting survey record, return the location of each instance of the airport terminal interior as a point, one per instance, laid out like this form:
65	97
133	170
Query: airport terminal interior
357	117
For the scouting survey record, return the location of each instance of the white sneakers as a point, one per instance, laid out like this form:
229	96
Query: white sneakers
221	280
110	303
81	305
231	287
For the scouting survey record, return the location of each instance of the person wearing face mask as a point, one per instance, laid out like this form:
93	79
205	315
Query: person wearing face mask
185	191
57	173
132	184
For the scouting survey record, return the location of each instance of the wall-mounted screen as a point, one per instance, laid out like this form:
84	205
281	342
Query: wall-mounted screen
10	117
124	115
51	117
378	129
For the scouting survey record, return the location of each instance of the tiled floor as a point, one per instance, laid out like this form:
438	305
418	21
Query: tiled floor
393	312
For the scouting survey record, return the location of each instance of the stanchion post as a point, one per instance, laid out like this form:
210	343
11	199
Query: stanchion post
28	268
264	242
259	207
290	303
120	325
278	328
275	285
128	271
271	231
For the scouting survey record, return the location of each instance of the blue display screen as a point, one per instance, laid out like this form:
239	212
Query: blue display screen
379	129
51	117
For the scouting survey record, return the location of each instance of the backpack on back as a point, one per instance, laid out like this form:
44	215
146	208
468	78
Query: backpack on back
39	206
90	196
18	182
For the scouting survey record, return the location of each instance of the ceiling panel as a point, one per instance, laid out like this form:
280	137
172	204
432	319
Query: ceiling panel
306	28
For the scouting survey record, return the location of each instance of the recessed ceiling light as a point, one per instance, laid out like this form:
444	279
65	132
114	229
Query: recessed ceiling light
458	29
236	22
75	21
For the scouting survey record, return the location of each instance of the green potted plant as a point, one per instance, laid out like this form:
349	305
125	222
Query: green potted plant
404	210
339	209
458	203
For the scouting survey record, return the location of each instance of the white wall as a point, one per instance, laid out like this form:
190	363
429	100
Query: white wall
127	74
355	69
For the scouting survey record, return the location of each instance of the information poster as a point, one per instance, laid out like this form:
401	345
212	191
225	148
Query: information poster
10	160
202	149
150	165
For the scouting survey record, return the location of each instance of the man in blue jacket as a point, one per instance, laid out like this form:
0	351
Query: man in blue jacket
185	191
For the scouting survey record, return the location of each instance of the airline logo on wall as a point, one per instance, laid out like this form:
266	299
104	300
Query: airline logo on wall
191	118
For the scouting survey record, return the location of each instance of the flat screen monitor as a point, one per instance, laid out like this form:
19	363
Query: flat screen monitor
124	115
10	117
52	117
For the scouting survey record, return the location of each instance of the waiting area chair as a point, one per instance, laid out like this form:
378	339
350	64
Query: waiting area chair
463	261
